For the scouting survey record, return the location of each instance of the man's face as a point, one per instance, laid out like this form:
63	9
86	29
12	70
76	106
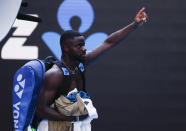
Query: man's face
77	48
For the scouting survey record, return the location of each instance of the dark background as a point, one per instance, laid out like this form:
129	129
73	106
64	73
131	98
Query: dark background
140	85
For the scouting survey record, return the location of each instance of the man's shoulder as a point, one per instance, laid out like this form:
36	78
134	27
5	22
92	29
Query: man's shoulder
54	74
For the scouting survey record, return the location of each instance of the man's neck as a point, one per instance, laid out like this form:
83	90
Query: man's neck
69	61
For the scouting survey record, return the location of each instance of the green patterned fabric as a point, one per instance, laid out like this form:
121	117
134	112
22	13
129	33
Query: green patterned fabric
33	129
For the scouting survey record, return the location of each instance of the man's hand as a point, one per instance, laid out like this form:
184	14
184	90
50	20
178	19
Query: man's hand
83	117
141	16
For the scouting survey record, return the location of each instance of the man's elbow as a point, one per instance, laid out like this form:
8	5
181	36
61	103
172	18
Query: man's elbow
40	111
108	42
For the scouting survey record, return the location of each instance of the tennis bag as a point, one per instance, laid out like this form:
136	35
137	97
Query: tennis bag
27	84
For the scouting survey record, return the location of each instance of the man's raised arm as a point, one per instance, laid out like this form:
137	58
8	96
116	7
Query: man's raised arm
117	36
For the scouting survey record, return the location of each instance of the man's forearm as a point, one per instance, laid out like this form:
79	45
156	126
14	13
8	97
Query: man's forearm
51	114
120	34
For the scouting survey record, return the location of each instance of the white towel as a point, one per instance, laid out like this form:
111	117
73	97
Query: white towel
29	128
85	125
43	126
92	112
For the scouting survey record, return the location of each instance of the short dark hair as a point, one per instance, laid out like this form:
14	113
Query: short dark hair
69	34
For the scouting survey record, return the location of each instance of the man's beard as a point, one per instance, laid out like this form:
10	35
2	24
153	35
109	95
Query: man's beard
79	58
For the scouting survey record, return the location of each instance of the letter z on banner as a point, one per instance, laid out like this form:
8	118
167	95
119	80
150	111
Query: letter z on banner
14	47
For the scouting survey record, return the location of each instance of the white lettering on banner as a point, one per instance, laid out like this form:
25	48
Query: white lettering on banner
24	28
14	47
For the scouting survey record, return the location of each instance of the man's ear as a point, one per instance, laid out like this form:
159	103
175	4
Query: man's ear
66	49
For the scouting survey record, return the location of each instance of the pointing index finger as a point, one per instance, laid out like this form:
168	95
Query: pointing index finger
142	9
